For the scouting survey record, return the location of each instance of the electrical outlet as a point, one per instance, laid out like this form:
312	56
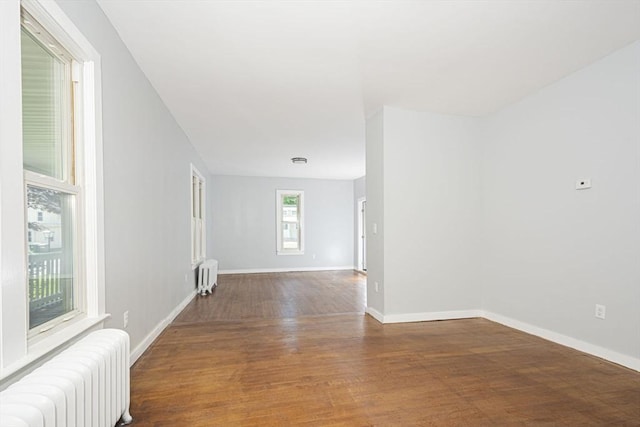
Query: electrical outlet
601	311
126	318
377	286
186	277
583	184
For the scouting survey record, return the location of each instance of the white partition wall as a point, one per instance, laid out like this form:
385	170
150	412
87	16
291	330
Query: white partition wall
481	216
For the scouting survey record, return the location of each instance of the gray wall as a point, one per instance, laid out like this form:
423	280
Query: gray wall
483	213
243	213
146	186
431	199
551	253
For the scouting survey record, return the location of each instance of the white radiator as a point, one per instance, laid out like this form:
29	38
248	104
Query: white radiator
207	276
87	385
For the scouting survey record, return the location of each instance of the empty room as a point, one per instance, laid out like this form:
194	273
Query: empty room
319	213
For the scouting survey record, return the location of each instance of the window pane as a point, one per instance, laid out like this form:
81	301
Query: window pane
290	213
50	255
290	226
290	235
290	200
45	108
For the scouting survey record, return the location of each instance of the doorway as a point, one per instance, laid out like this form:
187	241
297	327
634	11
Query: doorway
362	234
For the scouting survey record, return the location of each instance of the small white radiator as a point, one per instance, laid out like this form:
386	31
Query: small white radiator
207	276
87	385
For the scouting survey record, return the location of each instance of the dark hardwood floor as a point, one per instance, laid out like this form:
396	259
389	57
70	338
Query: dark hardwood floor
279	295
295	349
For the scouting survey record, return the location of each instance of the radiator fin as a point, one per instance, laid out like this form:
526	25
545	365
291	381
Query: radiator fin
88	384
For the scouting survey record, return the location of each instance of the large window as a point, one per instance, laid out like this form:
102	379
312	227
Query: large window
198	223
50	77
290	222
52	224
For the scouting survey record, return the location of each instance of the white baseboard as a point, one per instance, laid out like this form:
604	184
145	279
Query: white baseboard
155	333
435	315
585	347
375	314
285	270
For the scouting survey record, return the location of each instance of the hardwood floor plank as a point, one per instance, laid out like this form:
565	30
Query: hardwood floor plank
295	349
279	295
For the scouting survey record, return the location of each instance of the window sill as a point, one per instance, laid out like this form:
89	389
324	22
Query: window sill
51	344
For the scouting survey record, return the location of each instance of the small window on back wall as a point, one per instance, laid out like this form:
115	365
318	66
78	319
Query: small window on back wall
290	222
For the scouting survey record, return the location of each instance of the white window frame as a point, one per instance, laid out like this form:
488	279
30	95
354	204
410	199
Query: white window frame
280	250
198	200
17	350
70	183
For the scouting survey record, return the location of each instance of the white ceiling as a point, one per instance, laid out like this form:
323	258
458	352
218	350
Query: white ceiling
254	83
